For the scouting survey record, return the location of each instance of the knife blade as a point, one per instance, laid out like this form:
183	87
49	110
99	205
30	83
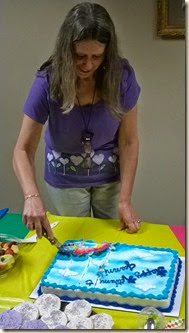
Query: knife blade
33	238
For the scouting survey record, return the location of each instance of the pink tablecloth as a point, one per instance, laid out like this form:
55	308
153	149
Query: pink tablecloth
179	232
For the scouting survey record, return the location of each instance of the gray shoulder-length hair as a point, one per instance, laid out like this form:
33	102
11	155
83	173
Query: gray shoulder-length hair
86	21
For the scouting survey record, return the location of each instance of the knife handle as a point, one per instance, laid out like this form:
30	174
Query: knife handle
51	240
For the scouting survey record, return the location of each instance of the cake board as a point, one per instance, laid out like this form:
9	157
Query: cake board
173	313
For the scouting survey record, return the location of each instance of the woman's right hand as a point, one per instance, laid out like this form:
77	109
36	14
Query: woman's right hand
34	216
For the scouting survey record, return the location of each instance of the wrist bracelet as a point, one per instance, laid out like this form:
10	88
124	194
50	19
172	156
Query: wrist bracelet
31	196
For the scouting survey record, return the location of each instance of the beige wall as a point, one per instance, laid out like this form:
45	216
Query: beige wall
27	33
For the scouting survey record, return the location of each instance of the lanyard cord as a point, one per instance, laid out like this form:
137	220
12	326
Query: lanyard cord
83	113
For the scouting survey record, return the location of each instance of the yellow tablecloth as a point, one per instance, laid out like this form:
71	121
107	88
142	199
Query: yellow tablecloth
35	258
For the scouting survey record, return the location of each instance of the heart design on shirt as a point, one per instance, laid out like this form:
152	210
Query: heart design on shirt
49	157
76	160
112	158
64	161
56	154
98	159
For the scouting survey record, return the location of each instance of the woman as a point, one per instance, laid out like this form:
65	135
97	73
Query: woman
88	94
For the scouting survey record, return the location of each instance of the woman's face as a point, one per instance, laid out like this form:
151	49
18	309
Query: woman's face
88	56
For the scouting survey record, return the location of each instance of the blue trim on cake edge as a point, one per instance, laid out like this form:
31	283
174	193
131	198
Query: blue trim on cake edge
127	306
113	291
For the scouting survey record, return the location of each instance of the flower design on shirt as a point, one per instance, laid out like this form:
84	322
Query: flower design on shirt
49	158
113	160
56	154
66	164
55	159
64	161
98	159
76	160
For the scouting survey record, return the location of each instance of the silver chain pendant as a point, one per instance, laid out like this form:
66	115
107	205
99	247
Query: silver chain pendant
87	164
86	136
86	141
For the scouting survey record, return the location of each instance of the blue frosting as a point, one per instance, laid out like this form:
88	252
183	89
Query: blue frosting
126	270
127	306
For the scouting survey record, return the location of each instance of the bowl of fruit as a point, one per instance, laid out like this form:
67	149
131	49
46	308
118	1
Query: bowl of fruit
9	252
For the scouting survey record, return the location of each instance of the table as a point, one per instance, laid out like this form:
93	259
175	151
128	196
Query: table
35	258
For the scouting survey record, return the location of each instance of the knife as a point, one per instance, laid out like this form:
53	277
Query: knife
33	238
53	241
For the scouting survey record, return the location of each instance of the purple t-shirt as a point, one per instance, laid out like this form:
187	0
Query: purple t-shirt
64	154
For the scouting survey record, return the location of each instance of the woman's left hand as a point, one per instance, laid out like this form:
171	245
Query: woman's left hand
129	219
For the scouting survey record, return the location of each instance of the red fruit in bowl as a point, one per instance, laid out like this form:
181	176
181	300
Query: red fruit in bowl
9	251
12	243
4	245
